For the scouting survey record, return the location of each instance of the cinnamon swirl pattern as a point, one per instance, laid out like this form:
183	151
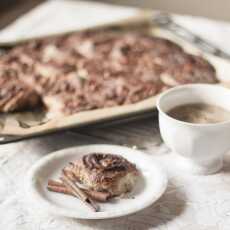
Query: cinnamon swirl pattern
104	173
91	70
14	94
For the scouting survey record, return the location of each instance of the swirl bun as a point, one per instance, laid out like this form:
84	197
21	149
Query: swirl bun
105	172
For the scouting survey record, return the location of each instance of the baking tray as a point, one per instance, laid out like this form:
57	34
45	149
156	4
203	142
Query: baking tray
18	126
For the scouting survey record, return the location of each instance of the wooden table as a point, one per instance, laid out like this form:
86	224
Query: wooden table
189	203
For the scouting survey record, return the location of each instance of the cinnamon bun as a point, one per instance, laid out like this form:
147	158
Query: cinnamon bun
105	173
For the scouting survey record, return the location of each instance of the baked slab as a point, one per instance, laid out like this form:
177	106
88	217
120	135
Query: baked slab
91	70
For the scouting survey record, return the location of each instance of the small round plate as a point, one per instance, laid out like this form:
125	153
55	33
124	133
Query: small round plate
149	188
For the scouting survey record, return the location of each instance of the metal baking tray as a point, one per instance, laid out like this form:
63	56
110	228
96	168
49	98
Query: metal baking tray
18	126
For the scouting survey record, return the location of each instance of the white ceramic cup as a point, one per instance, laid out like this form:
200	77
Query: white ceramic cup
199	148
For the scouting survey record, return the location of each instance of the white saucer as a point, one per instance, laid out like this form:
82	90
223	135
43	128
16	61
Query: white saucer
148	189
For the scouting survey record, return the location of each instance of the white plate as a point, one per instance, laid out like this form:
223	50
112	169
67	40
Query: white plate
149	188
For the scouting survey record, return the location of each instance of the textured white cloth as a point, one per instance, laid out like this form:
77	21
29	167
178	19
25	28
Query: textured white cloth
63	15
190	202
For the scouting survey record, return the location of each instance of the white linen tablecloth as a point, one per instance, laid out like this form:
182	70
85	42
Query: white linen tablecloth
190	202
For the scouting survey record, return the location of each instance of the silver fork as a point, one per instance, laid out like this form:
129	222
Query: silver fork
166	21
